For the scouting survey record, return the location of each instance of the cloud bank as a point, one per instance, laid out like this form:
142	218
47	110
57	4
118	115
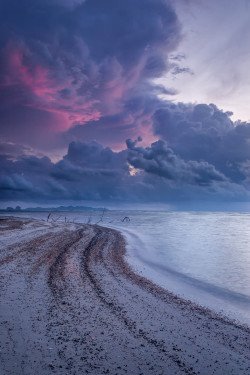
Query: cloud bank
205	133
90	171
79	76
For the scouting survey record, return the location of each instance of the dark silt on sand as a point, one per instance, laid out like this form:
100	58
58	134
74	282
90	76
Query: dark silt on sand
70	304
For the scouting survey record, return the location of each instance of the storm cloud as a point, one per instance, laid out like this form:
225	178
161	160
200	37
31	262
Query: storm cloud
90	171
78	79
67	64
87	171
160	160
205	133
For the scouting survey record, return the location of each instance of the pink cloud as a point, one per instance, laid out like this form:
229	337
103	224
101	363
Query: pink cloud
44	90
71	102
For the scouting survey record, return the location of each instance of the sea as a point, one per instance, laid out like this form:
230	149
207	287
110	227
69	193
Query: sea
200	256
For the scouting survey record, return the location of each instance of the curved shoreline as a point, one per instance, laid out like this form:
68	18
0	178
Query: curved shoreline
74	292
167	295
228	304
192	283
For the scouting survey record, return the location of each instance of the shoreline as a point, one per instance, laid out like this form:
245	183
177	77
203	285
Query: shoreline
153	287
84	310
185	287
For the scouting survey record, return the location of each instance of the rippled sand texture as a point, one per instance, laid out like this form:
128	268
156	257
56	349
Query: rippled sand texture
71	305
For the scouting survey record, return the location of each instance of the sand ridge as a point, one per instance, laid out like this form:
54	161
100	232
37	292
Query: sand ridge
70	304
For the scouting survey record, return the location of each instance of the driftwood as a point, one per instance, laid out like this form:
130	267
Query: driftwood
101	218
125	219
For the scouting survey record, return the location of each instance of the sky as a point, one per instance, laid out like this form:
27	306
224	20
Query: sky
142	103
216	49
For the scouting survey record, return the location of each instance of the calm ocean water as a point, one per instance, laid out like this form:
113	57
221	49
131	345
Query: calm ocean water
201	256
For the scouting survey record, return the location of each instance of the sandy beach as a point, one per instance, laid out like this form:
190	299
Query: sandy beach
70	304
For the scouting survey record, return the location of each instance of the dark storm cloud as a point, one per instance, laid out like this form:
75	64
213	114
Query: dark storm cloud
90	171
205	133
168	177
87	171
68	63
96	156
82	71
160	160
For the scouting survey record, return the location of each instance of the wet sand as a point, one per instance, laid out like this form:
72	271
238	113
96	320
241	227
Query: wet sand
70	304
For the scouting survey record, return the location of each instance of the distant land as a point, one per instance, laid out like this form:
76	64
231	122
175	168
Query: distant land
60	208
